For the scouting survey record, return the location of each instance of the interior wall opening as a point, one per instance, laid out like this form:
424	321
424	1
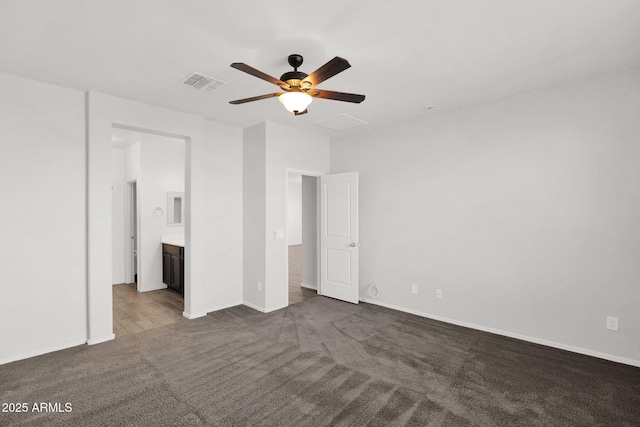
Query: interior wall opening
302	236
148	185
131	233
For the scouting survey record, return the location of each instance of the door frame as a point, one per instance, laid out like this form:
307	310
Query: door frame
129	264
316	175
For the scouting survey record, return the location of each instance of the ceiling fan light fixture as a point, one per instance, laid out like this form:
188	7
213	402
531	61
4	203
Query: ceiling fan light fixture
298	87
295	102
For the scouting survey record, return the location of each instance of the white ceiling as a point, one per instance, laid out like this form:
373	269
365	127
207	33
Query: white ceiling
404	54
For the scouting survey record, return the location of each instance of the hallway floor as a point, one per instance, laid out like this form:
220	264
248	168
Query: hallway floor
296	292
135	311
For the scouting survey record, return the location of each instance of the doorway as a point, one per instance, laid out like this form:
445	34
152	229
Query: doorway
302	236
146	169
131	236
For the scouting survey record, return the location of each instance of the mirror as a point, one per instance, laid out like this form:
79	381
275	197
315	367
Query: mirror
175	208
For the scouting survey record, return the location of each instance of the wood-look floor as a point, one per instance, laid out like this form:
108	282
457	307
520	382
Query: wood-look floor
296	292
135	311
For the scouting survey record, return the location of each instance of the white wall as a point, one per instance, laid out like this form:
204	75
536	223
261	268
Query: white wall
286	148
118	219
162	169
310	231
223	215
270	150
132	172
253	214
43	212
294	209
133	162
524	211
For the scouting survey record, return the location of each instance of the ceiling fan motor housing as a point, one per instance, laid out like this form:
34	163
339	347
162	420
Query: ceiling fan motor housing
295	60
293	78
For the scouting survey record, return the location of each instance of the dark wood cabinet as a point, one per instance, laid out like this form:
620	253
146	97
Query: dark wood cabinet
166	267
177	273
173	267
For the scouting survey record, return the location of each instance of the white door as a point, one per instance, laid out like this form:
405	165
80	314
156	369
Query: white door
339	236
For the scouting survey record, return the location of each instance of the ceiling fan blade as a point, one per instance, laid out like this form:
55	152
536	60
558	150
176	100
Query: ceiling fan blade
336	96
330	69
255	98
301	112
259	74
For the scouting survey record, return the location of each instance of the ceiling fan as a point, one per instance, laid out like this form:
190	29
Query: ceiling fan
298	88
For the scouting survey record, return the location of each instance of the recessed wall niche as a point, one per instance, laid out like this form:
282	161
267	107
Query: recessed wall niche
175	208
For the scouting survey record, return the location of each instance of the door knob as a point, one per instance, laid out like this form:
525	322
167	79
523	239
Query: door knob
354	244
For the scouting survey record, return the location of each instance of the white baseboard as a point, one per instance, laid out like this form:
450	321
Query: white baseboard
103	339
211	309
304	285
534	340
224	306
41	352
264	310
255	307
277	307
193	316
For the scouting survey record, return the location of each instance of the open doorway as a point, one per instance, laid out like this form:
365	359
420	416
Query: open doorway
131	233
145	169
302	236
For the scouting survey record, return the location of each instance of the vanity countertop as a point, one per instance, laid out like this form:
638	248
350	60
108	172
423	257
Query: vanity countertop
173	239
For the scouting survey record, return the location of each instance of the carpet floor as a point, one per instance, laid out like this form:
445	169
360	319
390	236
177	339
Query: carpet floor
317	363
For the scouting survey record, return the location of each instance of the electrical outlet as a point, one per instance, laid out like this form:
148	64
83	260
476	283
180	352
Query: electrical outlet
612	323
259	286
414	289
439	293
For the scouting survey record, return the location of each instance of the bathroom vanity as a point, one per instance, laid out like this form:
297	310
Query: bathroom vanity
173	263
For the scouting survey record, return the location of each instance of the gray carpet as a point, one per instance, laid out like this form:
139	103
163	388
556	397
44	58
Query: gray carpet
321	362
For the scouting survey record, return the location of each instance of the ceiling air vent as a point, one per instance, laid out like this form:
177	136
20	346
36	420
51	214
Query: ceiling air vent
202	82
340	122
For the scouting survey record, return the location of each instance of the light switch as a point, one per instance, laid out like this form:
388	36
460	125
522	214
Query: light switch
278	234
